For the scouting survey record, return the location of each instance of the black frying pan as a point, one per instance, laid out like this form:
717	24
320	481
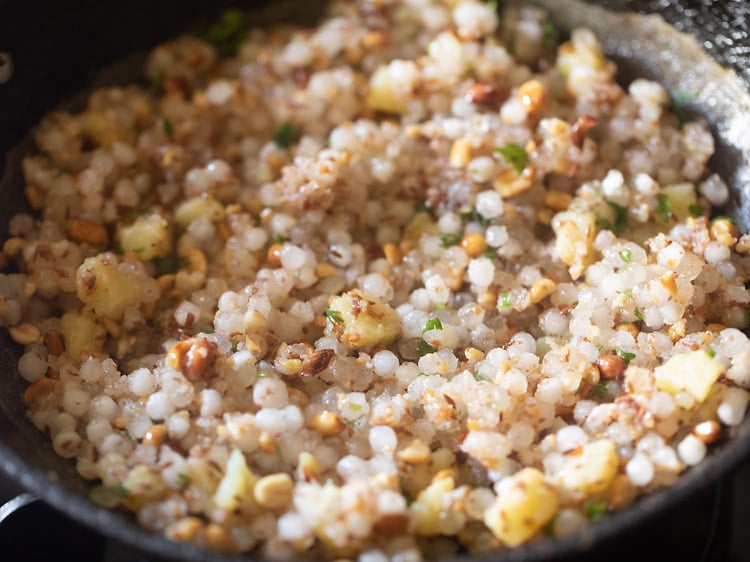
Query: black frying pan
58	47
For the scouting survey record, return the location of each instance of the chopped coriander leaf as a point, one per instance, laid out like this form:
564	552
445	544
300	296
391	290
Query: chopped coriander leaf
166	265
334	316
626	255
408	498
664	207
354	406
601	390
506	300
513	155
695	210
183	480
625	355
138	250
724	218
678	102
638	314
477	376
424	348
621	216
226	33
433	324
549	35
285	135
168	127
628	293
474	216
353	423
423	208
262	374
595	511
440	306
276	238
108	496
489	254
711	352
447	239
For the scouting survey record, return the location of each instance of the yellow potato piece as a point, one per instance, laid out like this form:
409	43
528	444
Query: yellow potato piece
148	237
238	483
694	372
103	287
362	321
590	469
82	334
523	508
380	95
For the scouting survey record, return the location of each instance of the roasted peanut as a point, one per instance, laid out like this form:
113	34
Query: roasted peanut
193	358
611	367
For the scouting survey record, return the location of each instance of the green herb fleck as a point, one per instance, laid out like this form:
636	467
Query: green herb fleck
638	314
168	127
664	207
108	496
276	238
549	528
334	316
625	355
678	102
474	216
433	324
477	376
711	352
489	254
506	300
166	265
423	348
595	511
138	250
356	407
628	293
621	217
183	480
263	374
601	390
724	218
440	306
549	35
626	255
695	210
423	208
354	423
226	33
514	155
447	239
408	498
285	135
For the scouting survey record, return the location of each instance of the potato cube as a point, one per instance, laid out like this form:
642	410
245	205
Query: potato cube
102	286
575	232
694	372
381	96
362	321
82	334
148	237
237	485
589	469
524	505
